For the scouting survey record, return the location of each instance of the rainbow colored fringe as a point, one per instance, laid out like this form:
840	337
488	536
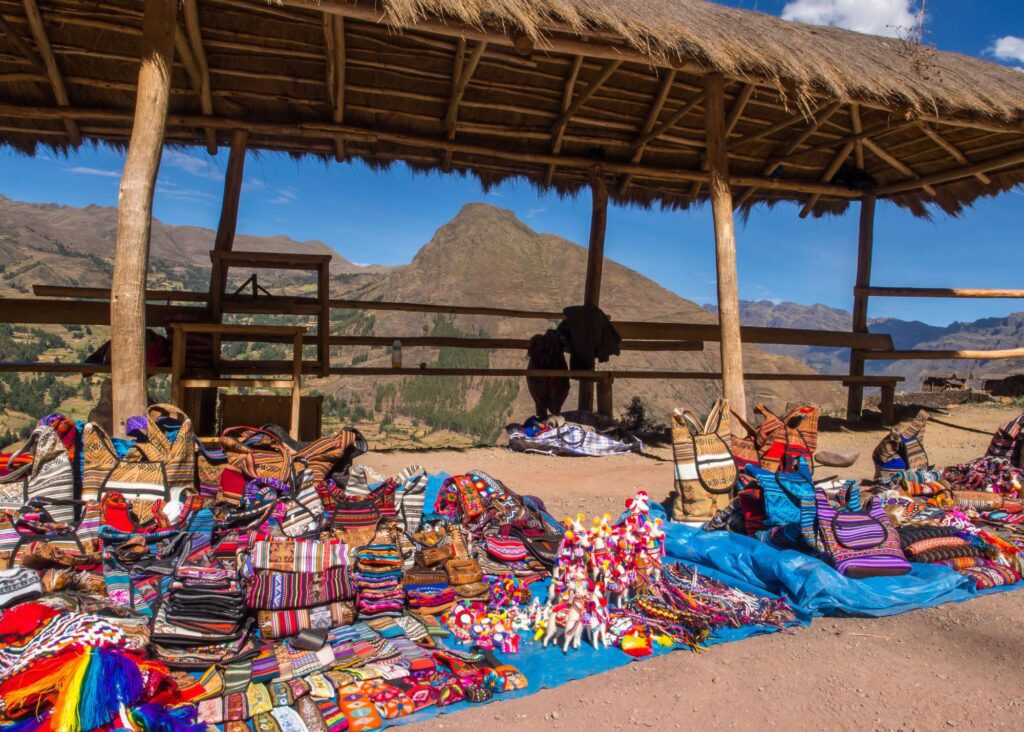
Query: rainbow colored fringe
91	688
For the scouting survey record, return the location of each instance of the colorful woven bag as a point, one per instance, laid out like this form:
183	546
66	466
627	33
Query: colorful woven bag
782	441
33	526
40	469
1008	442
902	450
858	543
165	436
705	472
258	453
106	471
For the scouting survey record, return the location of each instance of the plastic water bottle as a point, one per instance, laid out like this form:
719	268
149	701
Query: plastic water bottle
396	354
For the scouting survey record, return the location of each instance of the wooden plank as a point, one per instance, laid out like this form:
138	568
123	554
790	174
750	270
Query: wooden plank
488	344
236	383
937	292
57	367
952	149
725	244
946	176
558	129
755	334
865	247
323	321
595	247
660	97
323	130
297	383
60	92
272	260
226	226
195	40
135	213
568	91
334	41
232	328
830	171
600	374
926	355
896	164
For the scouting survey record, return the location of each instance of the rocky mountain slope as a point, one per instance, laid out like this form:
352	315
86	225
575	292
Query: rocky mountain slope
485	256
983	334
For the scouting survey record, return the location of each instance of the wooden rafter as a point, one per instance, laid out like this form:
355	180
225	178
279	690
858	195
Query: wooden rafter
568	91
946	176
735	112
952	149
460	82
877	131
60	93
858	128
829	173
895	163
791	147
779	126
202	69
660	97
669	122
334	39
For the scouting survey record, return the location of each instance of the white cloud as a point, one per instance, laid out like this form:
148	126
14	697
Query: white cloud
535	212
880	17
199	167
83	170
285	196
170	190
1009	49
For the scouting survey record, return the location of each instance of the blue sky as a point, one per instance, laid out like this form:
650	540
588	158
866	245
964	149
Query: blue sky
385	217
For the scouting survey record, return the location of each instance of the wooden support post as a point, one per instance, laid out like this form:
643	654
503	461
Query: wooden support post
865	244
888	404
595	265
725	244
323	323
605	400
296	393
135	213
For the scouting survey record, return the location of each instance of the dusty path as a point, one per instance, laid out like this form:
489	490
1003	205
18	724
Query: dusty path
955	666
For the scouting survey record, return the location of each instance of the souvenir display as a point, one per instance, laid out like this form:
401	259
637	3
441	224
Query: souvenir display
166	584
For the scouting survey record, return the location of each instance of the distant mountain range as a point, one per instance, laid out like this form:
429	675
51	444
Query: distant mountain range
985	334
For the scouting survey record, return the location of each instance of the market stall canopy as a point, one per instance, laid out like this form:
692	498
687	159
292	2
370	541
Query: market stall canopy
538	89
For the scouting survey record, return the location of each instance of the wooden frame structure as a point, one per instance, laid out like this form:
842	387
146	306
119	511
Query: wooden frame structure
642	104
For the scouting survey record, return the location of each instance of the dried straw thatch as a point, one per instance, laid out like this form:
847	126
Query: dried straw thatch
562	88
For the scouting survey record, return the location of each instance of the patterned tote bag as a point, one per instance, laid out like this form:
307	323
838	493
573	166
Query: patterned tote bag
105	471
705	472
1008	442
47	475
165	435
783	441
34	531
902	450
258	453
859	543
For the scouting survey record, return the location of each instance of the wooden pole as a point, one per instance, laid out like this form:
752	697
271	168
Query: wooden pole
595	264
725	244
865	244
232	192
135	213
595	249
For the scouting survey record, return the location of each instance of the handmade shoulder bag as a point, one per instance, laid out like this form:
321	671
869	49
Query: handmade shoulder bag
705	472
34	538
783	442
859	543
258	453
788	500
132	474
902	450
40	469
1008	441
165	436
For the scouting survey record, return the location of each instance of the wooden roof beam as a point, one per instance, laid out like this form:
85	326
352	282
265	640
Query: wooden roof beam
195	42
558	129
952	149
830	171
660	97
334	40
568	91
858	128
781	125
60	92
896	164
947	176
464	71
790	148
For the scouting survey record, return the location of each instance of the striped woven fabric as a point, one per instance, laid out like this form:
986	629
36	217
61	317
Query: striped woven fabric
48	474
859	544
286	623
1008	441
258	453
270	590
105	471
705	472
985	578
169	439
948	552
925	545
298	555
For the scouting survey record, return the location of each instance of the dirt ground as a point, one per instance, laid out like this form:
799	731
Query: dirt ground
954	666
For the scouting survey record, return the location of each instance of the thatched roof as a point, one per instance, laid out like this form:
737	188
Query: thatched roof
561	88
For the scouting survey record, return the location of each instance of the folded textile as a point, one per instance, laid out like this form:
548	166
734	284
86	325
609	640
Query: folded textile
270	590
